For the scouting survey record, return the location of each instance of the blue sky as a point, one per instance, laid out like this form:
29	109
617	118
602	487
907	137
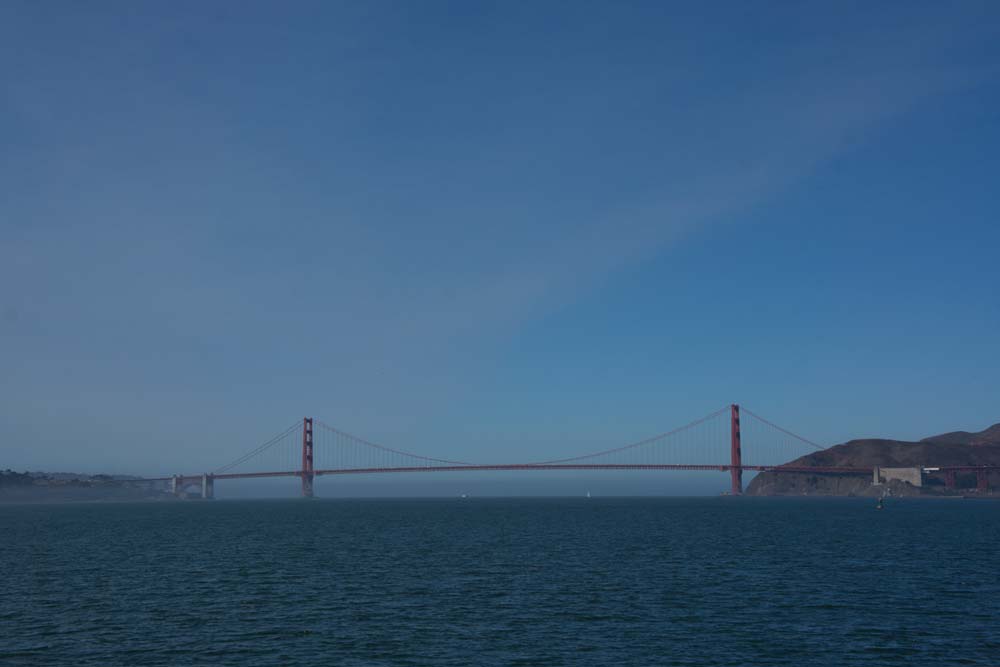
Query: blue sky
485	230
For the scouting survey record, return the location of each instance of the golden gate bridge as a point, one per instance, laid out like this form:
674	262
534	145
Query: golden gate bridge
719	441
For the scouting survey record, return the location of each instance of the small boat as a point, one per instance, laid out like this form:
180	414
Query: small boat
879	505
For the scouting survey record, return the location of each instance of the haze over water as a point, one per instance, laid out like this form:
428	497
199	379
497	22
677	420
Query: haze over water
606	581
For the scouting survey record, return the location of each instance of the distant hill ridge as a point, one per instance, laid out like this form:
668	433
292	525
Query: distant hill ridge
988	436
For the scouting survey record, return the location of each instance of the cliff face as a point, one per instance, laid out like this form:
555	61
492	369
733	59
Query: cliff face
959	448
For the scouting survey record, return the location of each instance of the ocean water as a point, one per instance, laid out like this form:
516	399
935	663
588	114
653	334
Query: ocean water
707	581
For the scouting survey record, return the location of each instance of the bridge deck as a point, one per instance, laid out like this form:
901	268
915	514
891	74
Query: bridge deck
531	467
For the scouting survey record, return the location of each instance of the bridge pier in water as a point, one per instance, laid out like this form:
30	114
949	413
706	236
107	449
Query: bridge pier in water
205	482
982	481
207	487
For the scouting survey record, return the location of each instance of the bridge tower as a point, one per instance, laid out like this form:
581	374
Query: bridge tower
736	454
307	457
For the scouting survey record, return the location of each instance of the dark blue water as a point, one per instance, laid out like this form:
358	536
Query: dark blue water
711	581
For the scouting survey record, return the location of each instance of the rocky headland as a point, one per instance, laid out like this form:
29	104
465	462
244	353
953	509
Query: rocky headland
958	448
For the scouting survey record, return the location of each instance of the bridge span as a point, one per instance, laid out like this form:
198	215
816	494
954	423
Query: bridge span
293	452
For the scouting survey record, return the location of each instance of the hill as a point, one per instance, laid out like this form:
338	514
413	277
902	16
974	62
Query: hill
61	487
958	448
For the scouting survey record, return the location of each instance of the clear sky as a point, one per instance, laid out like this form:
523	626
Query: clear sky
489	230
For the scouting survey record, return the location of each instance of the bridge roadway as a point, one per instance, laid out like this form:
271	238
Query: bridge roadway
526	466
207	480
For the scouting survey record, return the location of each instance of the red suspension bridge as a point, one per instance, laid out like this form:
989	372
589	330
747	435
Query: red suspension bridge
719	441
